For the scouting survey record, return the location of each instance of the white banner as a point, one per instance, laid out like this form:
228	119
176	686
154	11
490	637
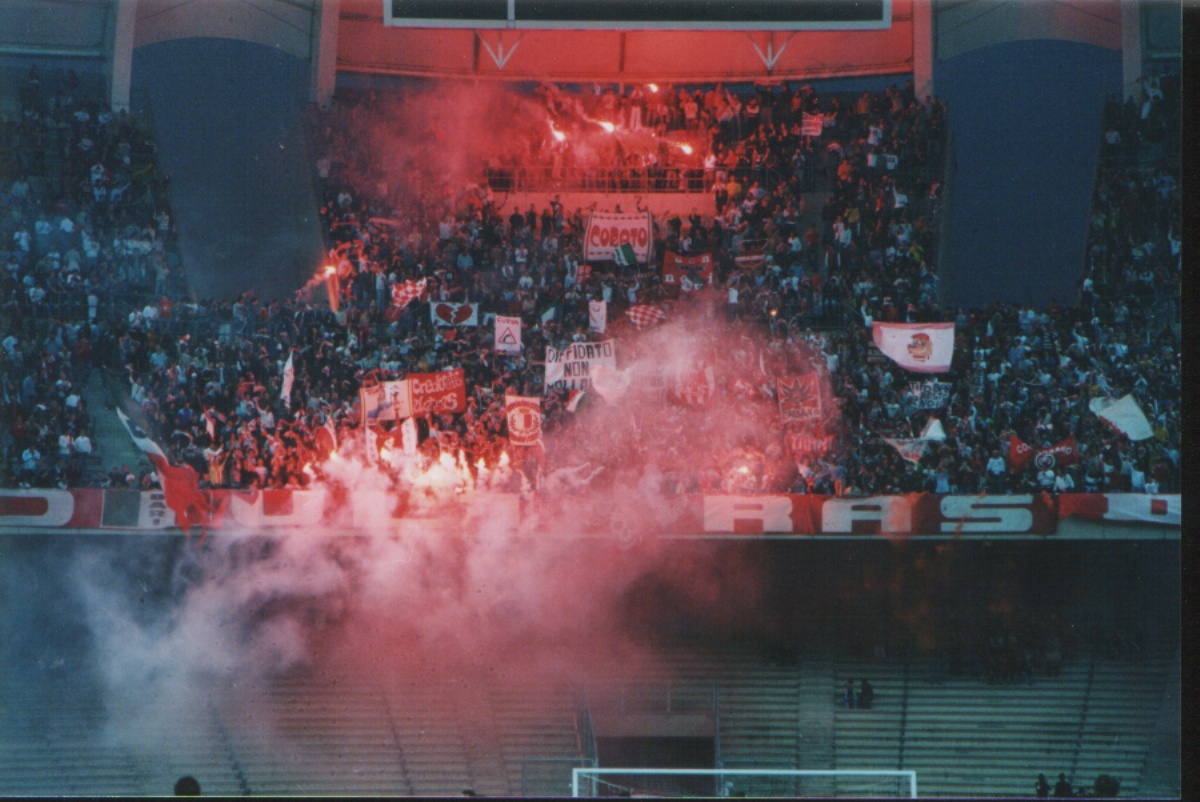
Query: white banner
607	231
571	367
919	347
508	335
388	400
598	315
445	313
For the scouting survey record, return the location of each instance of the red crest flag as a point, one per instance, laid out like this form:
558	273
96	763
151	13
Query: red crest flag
524	417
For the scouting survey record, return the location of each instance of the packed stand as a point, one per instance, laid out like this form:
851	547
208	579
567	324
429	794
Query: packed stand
84	237
215	395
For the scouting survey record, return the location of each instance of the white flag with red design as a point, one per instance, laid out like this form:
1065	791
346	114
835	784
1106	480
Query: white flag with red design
919	347
1124	415
811	124
695	386
643	316
524	416
445	313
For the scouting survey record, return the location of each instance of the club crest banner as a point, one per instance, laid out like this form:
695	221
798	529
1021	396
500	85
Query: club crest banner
524	416
799	399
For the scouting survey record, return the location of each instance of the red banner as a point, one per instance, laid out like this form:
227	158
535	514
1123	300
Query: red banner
697	269
438	392
1062	453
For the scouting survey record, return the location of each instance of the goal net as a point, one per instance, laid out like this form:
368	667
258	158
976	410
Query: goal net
782	783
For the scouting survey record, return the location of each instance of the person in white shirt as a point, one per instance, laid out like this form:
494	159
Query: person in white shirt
1063	483
83	443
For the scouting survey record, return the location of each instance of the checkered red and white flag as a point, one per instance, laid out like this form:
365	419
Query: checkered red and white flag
644	316
405	293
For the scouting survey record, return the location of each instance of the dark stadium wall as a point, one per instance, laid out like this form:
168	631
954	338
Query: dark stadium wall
1025	117
228	120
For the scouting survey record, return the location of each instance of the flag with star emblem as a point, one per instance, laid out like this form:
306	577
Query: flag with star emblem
799	399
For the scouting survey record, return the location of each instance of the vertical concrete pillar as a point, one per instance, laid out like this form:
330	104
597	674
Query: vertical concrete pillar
1131	51
323	51
922	23
120	55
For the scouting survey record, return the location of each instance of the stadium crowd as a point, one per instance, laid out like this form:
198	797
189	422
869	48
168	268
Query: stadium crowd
785	299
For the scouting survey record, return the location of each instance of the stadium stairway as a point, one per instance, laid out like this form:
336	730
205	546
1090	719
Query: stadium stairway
112	446
964	737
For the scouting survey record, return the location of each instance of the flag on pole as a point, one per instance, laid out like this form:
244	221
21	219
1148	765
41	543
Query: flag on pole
598	315
289	377
1124	415
625	256
574	398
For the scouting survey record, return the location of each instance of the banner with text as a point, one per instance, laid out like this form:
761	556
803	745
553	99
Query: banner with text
608	231
438	392
571	367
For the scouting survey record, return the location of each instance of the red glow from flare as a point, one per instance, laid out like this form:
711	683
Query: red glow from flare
607	126
686	149
652	87
559	135
330	270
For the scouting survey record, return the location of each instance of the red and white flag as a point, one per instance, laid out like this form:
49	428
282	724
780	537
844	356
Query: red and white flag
180	484
1124	415
406	292
811	124
799	398
919	347
524	416
644	316
909	449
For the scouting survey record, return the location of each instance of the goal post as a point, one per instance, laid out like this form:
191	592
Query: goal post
783	783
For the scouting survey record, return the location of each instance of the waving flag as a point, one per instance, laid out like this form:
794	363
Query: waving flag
180	484
1062	453
624	255
1124	415
919	347
405	293
289	376
909	449
811	124
644	316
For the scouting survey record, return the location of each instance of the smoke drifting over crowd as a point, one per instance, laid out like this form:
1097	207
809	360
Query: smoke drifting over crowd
458	589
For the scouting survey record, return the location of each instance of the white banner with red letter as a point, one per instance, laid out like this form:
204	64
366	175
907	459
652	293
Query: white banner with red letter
919	347
608	231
